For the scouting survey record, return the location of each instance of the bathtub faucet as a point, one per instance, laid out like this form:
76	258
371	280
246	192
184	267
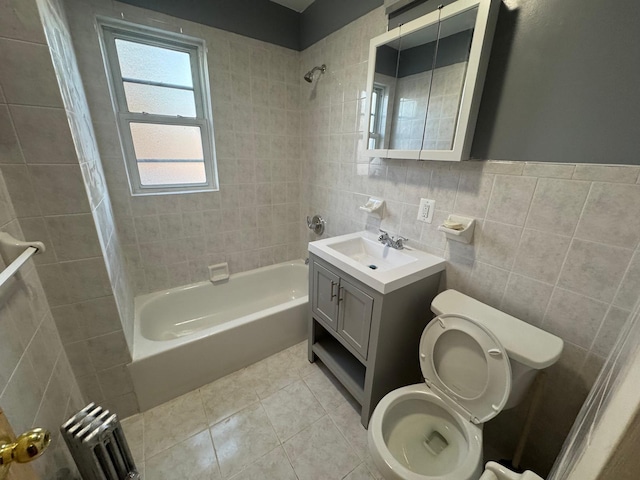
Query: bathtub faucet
393	242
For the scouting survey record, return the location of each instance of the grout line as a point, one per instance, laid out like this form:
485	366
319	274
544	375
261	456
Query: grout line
42	400
28	42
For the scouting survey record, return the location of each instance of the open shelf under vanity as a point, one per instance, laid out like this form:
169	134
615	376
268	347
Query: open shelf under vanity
346	368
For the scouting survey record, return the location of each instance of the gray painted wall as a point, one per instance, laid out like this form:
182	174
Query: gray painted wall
563	83
324	17
259	19
265	20
452	49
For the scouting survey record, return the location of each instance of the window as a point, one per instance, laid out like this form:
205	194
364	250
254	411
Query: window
375	119
160	94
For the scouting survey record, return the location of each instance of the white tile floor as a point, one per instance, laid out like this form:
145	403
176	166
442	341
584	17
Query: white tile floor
281	418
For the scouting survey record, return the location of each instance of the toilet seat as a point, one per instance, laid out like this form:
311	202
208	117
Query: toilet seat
466	365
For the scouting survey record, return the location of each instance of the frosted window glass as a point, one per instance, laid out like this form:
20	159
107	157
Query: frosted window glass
159	100
171	173
168	154
155	64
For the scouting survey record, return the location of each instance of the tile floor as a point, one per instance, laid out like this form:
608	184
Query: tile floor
279	419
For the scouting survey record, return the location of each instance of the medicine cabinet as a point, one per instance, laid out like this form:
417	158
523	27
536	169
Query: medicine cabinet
425	82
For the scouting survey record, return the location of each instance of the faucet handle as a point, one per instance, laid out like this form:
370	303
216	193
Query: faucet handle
383	235
399	242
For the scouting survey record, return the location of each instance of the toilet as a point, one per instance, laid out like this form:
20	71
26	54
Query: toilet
476	361
495	471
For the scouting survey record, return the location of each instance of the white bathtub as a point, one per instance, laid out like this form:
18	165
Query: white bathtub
189	336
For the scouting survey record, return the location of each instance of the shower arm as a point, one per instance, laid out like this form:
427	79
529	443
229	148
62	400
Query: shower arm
309	75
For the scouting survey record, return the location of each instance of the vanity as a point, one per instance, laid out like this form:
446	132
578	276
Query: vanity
368	305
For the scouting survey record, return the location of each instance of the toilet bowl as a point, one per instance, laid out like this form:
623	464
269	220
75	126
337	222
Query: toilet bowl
407	421
475	361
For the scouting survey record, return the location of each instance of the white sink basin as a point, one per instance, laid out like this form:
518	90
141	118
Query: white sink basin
372	254
380	267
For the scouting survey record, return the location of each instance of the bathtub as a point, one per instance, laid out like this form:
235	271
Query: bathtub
189	336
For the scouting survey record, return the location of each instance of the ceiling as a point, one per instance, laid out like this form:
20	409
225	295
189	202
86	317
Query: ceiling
297	5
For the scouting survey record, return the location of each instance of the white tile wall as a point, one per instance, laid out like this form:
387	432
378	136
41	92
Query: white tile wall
555	245
37	386
100	277
57	188
254	219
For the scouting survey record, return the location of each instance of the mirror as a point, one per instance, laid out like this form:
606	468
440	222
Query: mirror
423	79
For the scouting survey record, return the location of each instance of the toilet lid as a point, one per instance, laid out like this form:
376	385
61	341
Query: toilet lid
466	362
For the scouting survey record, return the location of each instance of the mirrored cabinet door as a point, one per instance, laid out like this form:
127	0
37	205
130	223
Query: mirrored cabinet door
425	82
416	58
381	93
452	49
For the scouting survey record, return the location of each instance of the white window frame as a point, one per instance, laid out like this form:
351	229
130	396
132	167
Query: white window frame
376	135
110	30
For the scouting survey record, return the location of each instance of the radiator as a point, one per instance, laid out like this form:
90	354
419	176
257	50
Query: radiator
98	445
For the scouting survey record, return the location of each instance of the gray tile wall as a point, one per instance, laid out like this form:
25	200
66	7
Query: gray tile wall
555	245
254	219
60	200
37	386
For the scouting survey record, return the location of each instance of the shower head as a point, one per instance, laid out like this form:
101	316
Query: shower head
309	75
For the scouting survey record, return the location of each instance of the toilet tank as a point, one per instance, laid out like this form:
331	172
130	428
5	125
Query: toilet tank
529	348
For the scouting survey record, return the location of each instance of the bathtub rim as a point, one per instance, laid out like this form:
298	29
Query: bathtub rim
146	348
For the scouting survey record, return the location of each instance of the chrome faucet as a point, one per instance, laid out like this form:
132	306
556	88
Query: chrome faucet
393	242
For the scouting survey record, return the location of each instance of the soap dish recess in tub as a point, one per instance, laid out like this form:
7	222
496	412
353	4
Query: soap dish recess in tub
457	228
219	272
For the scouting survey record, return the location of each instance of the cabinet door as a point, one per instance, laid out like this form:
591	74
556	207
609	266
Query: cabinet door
324	303
354	316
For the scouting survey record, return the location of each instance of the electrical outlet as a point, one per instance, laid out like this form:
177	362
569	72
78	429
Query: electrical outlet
425	211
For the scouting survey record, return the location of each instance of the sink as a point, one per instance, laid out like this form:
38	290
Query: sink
380	267
372	254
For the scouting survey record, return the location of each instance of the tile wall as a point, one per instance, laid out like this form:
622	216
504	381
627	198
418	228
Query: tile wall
58	199
254	219
555	244
37	387
417	101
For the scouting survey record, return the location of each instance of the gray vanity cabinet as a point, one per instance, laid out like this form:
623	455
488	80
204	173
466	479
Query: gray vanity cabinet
369	341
